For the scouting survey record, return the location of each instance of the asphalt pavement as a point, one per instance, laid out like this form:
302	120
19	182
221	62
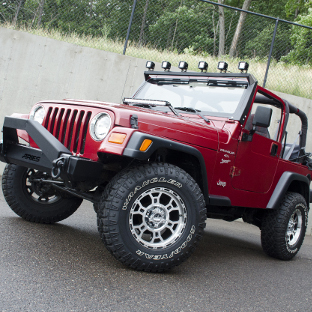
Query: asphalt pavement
65	267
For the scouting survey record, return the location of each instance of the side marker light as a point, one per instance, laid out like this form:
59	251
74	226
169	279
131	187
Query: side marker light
145	145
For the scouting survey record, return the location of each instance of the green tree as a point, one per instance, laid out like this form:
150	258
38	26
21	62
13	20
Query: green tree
301	39
186	26
260	45
295	7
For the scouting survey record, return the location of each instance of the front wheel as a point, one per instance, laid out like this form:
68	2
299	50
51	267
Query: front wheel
29	197
151	217
283	230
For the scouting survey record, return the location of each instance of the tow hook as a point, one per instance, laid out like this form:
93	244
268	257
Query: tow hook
58	165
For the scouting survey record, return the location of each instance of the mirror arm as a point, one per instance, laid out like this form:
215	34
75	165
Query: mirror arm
247	137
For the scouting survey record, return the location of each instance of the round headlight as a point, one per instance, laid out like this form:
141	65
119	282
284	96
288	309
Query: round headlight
99	126
37	114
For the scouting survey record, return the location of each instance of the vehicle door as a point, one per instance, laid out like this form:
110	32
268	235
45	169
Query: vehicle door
258	149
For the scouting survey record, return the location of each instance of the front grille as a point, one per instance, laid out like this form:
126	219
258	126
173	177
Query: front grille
69	126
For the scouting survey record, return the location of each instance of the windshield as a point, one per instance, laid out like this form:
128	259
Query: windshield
217	98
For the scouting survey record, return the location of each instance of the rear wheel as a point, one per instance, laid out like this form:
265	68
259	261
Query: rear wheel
283	230
32	199
151	217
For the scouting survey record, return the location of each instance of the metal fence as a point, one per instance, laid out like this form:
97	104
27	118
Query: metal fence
191	30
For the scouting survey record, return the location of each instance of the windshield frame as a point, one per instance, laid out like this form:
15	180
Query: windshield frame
231	79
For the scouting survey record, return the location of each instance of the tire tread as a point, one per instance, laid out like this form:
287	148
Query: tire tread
112	199
10	178
274	226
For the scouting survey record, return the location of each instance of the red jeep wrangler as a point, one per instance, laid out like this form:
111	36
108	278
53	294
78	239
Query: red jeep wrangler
186	146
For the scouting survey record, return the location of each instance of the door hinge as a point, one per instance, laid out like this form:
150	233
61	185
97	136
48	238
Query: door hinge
134	121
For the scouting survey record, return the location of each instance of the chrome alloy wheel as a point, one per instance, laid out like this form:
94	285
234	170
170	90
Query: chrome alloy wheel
157	218
294	228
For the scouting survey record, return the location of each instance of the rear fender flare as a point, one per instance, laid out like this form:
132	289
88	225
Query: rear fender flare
283	186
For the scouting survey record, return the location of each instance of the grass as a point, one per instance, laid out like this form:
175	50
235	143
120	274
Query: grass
282	77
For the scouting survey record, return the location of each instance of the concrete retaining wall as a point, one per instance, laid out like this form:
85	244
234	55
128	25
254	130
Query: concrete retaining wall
36	68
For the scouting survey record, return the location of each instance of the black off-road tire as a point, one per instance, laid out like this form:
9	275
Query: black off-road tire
20	196
283	230
151	217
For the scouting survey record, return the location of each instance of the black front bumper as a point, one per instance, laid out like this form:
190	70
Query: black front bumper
51	157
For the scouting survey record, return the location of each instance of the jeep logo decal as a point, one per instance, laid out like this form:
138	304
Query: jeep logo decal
31	157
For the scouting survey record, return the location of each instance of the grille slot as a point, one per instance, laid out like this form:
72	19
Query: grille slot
71	129
69	126
77	132
84	135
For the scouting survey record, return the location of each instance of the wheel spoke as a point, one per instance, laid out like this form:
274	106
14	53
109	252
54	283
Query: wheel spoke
170	206
141	208
156	237
156	199
172	224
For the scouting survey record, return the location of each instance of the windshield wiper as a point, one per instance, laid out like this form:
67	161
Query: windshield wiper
188	109
193	110
149	103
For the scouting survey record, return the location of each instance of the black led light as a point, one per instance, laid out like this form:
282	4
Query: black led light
166	65
223	66
183	66
150	65
243	66
203	66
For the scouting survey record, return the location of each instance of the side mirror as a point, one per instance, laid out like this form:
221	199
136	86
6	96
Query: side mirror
262	117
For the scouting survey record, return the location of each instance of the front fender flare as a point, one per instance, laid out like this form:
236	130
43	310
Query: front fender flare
133	150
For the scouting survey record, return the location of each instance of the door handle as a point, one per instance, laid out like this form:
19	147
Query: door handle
274	149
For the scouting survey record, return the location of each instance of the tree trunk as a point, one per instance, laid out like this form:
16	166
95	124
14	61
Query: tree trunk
239	28
174	33
40	12
175	28
34	18
296	12
143	23
215	29
221	29
19	6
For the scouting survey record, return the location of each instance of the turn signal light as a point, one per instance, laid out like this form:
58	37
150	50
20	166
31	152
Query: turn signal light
117	138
